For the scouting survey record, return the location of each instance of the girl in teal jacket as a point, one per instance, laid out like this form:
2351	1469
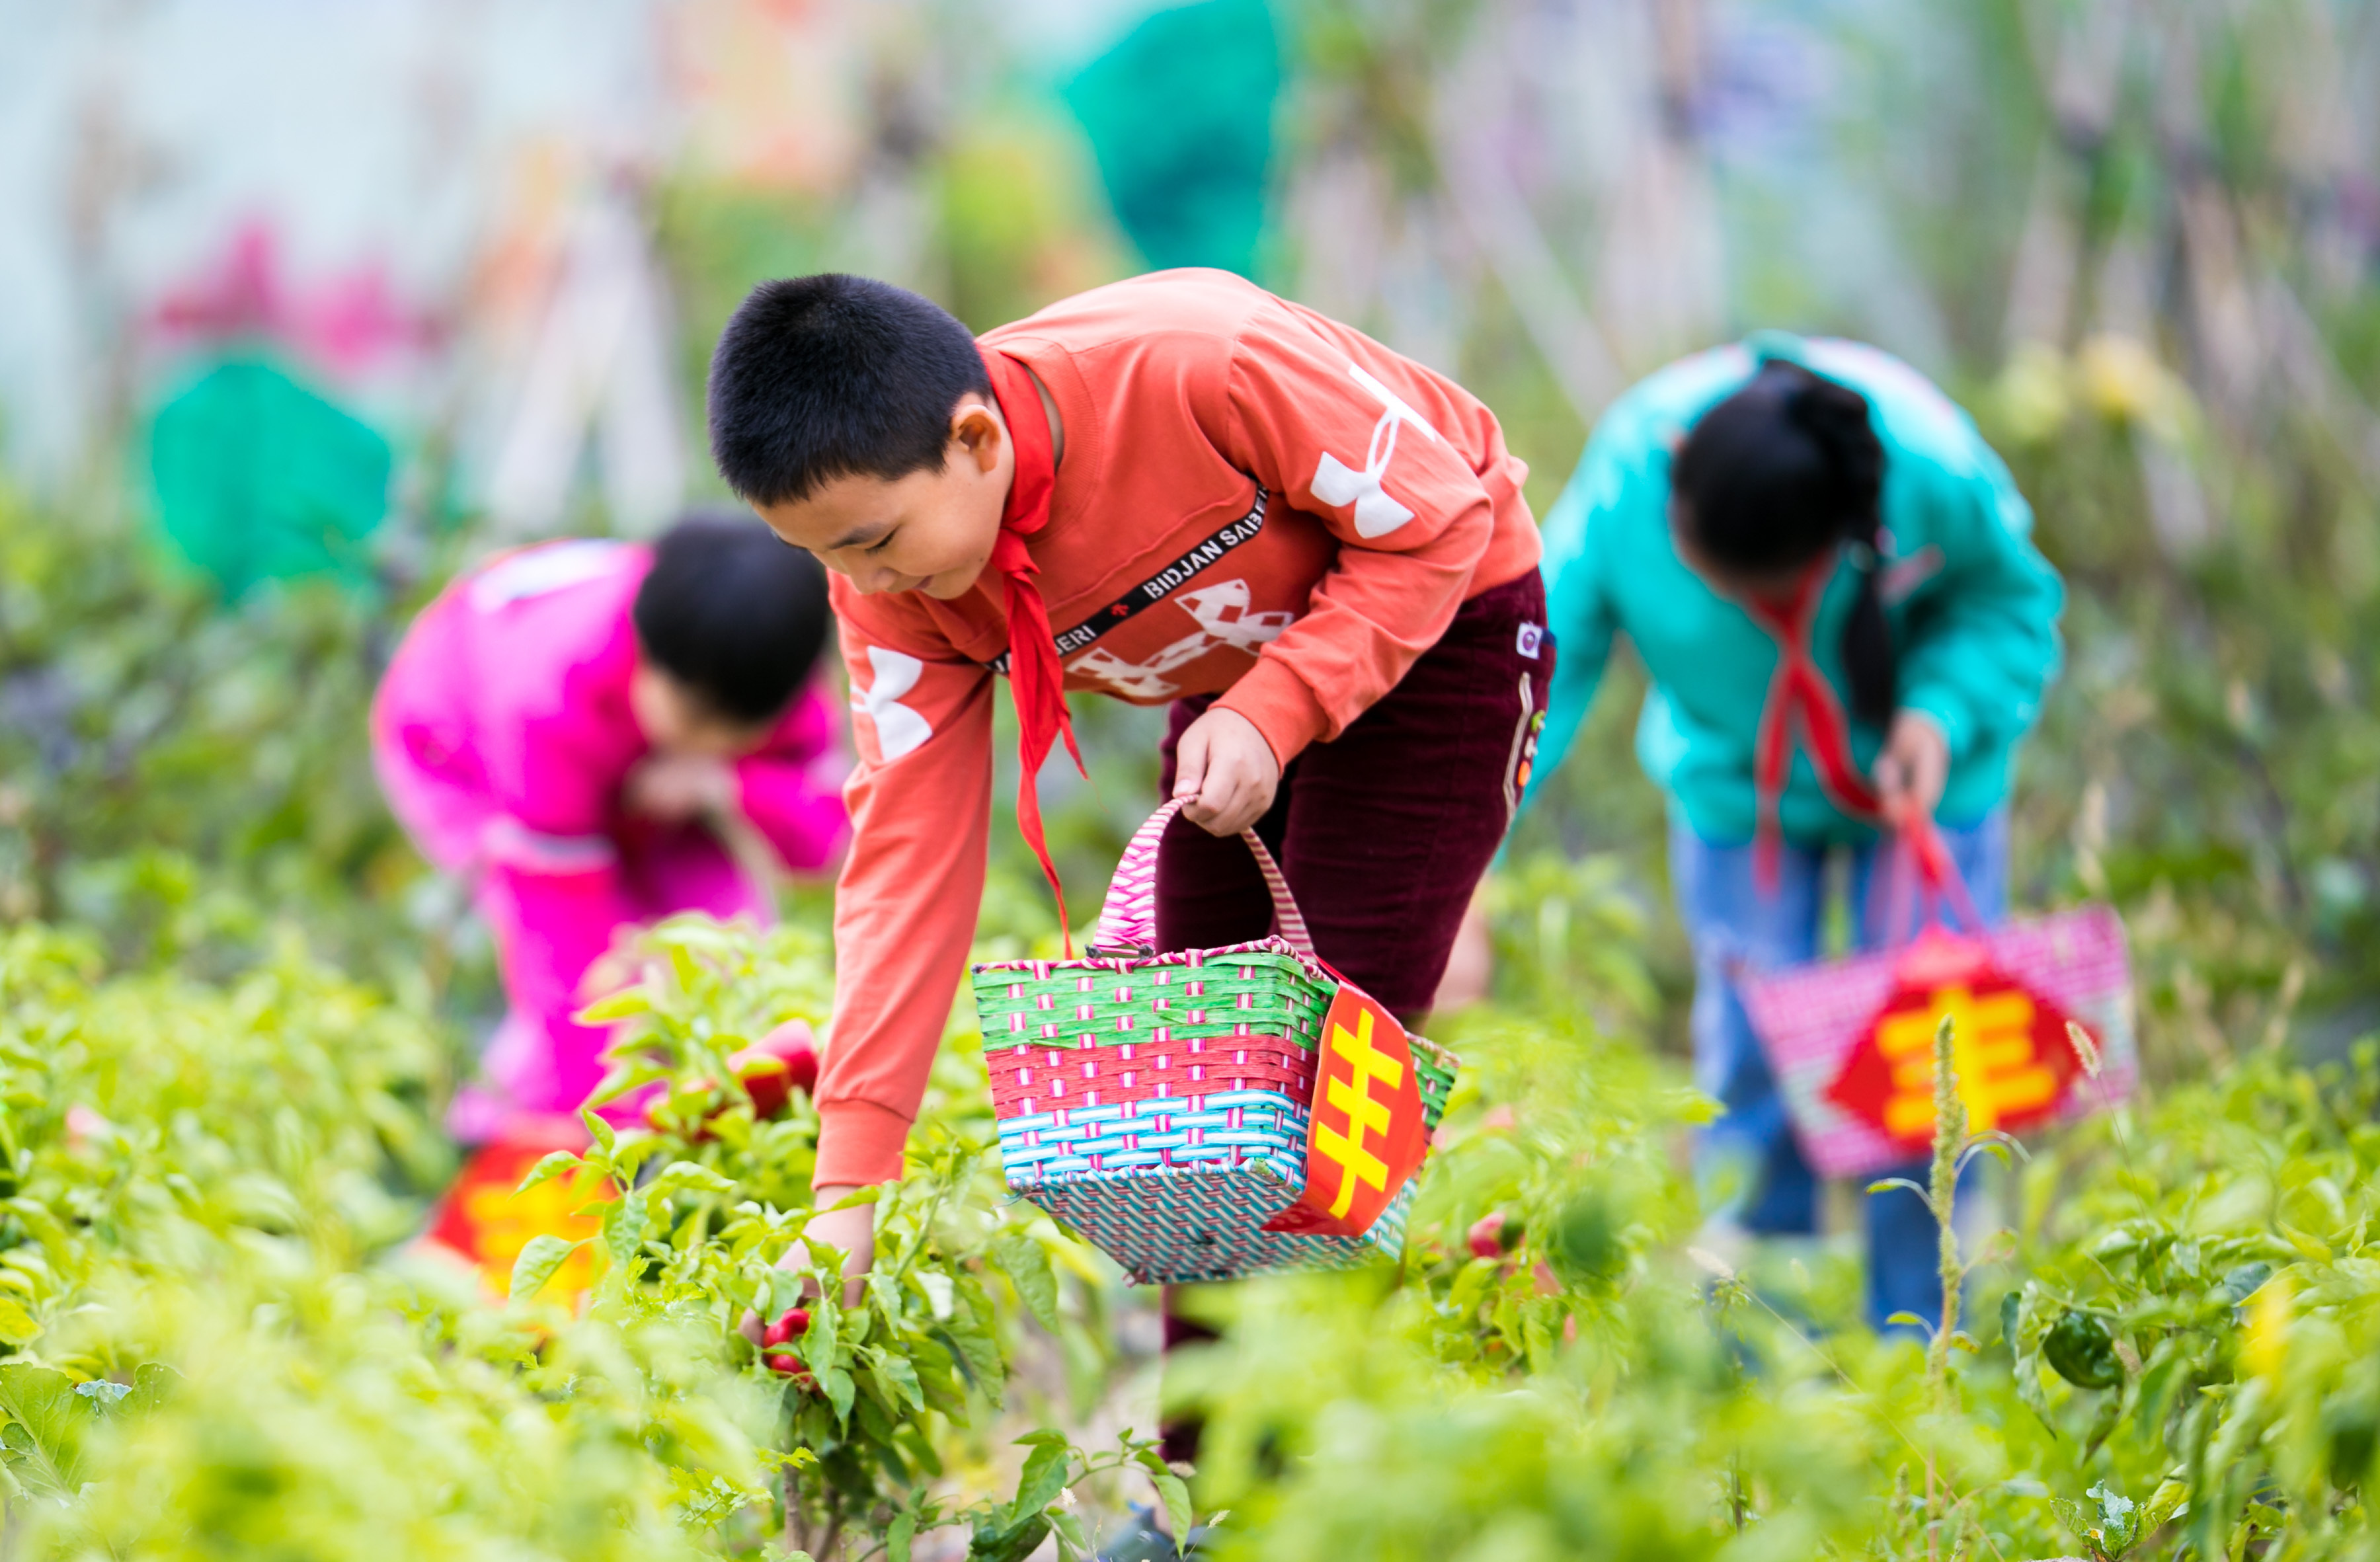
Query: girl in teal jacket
1830	578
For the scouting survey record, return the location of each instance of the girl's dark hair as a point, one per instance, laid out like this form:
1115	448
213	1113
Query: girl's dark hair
734	614
1777	474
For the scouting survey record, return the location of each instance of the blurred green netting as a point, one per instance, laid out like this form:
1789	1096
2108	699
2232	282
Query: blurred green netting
1180	117
258	479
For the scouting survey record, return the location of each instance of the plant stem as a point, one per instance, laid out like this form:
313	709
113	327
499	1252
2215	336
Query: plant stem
1949	1136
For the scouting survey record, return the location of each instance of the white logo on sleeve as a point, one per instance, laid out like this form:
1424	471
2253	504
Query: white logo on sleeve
898	728
1335	483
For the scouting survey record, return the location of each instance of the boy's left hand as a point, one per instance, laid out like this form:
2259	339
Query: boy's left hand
1224	774
1914	766
851	1230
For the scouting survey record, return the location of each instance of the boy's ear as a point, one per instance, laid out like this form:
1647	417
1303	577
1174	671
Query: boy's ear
976	431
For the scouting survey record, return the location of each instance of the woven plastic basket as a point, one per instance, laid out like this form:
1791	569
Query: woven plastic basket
1161	1104
2011	989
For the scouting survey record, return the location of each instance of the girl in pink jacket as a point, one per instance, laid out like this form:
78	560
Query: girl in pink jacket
593	733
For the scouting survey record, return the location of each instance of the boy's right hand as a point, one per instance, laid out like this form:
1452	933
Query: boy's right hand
1225	775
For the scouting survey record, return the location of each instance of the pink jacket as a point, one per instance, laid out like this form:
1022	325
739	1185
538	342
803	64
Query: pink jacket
503	733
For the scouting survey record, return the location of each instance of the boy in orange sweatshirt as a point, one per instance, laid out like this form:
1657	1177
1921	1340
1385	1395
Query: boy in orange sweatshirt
1176	490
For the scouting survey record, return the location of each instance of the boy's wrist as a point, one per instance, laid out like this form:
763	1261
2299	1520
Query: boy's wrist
860	1144
1278	702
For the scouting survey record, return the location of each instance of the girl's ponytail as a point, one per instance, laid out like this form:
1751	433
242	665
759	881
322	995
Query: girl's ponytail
1785	469
1836	417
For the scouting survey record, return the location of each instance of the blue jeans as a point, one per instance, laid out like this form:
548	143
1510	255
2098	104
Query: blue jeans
1733	925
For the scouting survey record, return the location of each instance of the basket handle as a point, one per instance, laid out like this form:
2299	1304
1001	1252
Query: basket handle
1128	921
1922	872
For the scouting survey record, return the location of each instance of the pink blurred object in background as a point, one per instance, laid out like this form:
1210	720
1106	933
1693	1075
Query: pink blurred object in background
345	324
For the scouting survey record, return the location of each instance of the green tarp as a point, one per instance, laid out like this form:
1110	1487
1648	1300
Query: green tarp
1180	117
260	479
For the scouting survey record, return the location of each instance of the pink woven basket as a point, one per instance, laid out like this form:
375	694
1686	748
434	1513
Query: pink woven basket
1811	1017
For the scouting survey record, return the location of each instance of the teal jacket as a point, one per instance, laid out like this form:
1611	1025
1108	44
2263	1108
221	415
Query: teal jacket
1972	604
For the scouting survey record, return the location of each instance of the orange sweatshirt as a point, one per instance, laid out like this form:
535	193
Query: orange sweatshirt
1252	500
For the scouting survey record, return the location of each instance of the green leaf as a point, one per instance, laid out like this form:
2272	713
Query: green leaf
552	1166
977	1354
45	1419
17	1325
1175	1494
152	1385
2103	1425
625	1077
1011	1541
899	1380
1027	1263
623	1228
543	1253
1045	1471
692	933
2309	1245
898	1537
2165	1507
691	1176
2119	1520
601	1131
626	1004
836	1385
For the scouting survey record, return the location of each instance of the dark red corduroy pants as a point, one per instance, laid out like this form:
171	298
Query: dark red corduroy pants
1383	832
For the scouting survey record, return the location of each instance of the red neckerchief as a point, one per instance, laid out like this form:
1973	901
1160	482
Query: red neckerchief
1799	693
1035	679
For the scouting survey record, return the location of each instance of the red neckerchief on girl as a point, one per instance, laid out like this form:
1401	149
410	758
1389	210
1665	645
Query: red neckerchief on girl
1799	695
1035	679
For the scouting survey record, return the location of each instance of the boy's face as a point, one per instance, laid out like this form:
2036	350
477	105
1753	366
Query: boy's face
930	531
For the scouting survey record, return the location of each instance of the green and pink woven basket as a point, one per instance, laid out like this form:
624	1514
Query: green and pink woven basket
1161	1104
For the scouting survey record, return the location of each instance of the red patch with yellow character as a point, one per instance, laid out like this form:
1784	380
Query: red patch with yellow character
2008	1043
486	1220
1369	1133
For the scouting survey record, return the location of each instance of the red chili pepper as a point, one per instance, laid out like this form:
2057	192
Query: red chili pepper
1493	1235
790	1326
790	1046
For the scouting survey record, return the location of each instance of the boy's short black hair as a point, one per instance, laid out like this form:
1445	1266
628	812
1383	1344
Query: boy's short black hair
733	613
831	376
